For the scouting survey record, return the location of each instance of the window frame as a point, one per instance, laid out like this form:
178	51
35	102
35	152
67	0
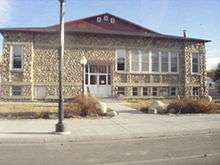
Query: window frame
12	57
134	91
170	91
157	90
148	92
121	56
177	62
168	62
123	91
159	61
198	58
197	91
12	91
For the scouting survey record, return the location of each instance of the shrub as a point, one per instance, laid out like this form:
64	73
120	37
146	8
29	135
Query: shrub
82	105
190	106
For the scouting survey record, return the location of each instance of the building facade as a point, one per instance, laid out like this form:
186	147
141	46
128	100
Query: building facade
122	59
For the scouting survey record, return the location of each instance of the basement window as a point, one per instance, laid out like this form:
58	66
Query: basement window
135	91
121	91
195	91
16	91
173	91
155	91
145	91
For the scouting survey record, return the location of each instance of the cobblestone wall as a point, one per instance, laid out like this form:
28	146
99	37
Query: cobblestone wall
41	62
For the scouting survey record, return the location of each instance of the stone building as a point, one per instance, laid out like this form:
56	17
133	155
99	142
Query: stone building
122	58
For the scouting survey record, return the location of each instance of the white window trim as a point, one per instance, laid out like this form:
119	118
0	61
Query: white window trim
177	56
195	73
11	57
150	63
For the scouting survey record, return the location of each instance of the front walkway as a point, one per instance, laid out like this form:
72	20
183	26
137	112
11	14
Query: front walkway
129	123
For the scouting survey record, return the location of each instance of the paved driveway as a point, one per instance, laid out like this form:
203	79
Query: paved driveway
129	123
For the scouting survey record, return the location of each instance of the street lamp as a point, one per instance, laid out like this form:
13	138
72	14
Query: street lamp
83	62
60	127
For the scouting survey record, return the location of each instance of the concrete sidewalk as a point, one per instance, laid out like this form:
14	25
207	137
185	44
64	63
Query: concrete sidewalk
129	123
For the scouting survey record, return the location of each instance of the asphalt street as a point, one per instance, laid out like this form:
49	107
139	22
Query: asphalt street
189	149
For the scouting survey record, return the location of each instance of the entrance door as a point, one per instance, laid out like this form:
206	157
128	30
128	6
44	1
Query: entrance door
98	80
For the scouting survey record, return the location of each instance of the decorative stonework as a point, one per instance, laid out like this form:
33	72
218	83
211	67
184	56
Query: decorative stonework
41	62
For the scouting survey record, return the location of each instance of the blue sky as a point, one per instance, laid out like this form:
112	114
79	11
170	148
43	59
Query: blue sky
201	18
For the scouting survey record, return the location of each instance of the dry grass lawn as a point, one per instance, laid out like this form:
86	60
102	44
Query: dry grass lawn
16	107
144	103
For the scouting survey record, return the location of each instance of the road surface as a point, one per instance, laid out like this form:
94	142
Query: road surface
189	149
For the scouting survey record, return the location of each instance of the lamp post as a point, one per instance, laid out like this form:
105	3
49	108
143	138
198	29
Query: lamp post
60	127
83	62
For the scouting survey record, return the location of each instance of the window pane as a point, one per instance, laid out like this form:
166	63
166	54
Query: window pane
121	64
134	91
155	61
173	91
195	91
93	79
102	69
164	62
92	69
102	80
195	63
121	91
145	61
173	62
109	79
17	50
86	79
154	91
17	57
145	91
16	63
135	61
121	59
164	91
16	91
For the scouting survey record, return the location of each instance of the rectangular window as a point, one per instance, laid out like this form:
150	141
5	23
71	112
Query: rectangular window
121	59
121	91
174	62
195	63
16	91
195	91
155	91
144	61
16	57
145	91
164	91
155	62
134	60
134	91
173	91
164	62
